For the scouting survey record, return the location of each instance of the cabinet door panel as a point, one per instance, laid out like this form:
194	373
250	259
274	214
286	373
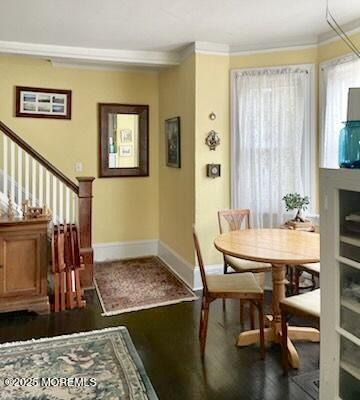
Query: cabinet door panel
21	265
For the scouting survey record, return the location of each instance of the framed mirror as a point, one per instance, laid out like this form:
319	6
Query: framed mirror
124	140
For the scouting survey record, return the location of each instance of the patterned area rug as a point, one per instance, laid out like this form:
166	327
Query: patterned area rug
136	284
96	365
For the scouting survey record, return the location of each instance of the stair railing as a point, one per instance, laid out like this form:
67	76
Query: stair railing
27	175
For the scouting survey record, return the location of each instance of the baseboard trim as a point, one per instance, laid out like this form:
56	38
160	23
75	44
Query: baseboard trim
121	250
182	268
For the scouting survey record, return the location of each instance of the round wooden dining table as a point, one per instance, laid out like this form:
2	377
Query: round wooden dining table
278	247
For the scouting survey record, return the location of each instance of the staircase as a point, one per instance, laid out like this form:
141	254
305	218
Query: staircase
27	175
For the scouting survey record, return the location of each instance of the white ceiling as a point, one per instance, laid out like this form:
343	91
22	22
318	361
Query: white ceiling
163	25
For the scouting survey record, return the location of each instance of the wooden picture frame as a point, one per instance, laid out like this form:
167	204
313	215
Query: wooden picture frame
173	142
34	102
107	111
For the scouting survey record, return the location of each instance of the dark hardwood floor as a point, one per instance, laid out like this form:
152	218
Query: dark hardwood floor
167	341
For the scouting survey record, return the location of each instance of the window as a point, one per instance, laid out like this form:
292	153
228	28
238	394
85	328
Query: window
273	139
336	78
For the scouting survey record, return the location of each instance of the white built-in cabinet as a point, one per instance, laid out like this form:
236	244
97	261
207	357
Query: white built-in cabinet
340	285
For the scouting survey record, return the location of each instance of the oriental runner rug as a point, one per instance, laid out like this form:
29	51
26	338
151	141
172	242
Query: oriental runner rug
93	365
137	284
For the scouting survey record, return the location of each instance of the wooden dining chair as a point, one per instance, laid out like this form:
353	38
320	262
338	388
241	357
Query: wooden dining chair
306	305
66	266
311	268
229	286
236	219
232	220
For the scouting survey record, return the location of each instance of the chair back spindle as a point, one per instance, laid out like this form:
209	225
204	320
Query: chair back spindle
233	220
66	265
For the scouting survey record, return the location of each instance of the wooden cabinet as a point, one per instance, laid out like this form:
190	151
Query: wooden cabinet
24	265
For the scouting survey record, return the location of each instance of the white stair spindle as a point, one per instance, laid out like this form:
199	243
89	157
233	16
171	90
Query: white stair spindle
5	170
24	178
27	176
61	202
47	188
72	200
41	185
54	198
19	179
73	281
33	181
67	205
12	170
73	208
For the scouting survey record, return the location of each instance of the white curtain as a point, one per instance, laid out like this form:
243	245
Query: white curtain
338	77
269	121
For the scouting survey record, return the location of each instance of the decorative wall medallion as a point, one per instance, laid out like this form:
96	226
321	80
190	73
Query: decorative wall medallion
212	140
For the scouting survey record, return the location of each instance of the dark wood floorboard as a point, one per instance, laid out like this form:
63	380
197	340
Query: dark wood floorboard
167	341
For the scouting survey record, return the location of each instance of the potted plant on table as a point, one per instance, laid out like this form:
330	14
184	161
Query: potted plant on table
294	201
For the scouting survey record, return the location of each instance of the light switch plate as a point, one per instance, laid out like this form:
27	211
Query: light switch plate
78	166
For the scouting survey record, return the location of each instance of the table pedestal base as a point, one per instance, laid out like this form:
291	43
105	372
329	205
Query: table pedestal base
295	333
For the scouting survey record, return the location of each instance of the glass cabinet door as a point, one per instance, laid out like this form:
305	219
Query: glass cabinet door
349	384
349	291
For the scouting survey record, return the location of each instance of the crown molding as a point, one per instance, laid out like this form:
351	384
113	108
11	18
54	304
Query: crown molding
203	48
101	56
186	52
211	48
238	51
59	63
311	42
132	60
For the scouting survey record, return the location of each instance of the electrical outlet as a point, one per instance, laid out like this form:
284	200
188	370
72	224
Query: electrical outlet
78	166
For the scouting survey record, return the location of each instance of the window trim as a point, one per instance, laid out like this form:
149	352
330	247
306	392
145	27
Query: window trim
311	122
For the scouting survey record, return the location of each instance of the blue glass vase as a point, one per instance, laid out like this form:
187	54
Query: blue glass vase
349	145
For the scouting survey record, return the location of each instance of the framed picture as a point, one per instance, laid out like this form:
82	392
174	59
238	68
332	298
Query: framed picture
126	135
43	103
125	151
172	142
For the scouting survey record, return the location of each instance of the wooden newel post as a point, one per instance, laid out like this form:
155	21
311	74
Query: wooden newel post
85	228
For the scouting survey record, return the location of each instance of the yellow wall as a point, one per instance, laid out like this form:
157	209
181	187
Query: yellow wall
177	185
124	208
274	58
212	95
166	204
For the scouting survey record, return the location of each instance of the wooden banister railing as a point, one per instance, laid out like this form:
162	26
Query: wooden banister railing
85	229
27	175
39	158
